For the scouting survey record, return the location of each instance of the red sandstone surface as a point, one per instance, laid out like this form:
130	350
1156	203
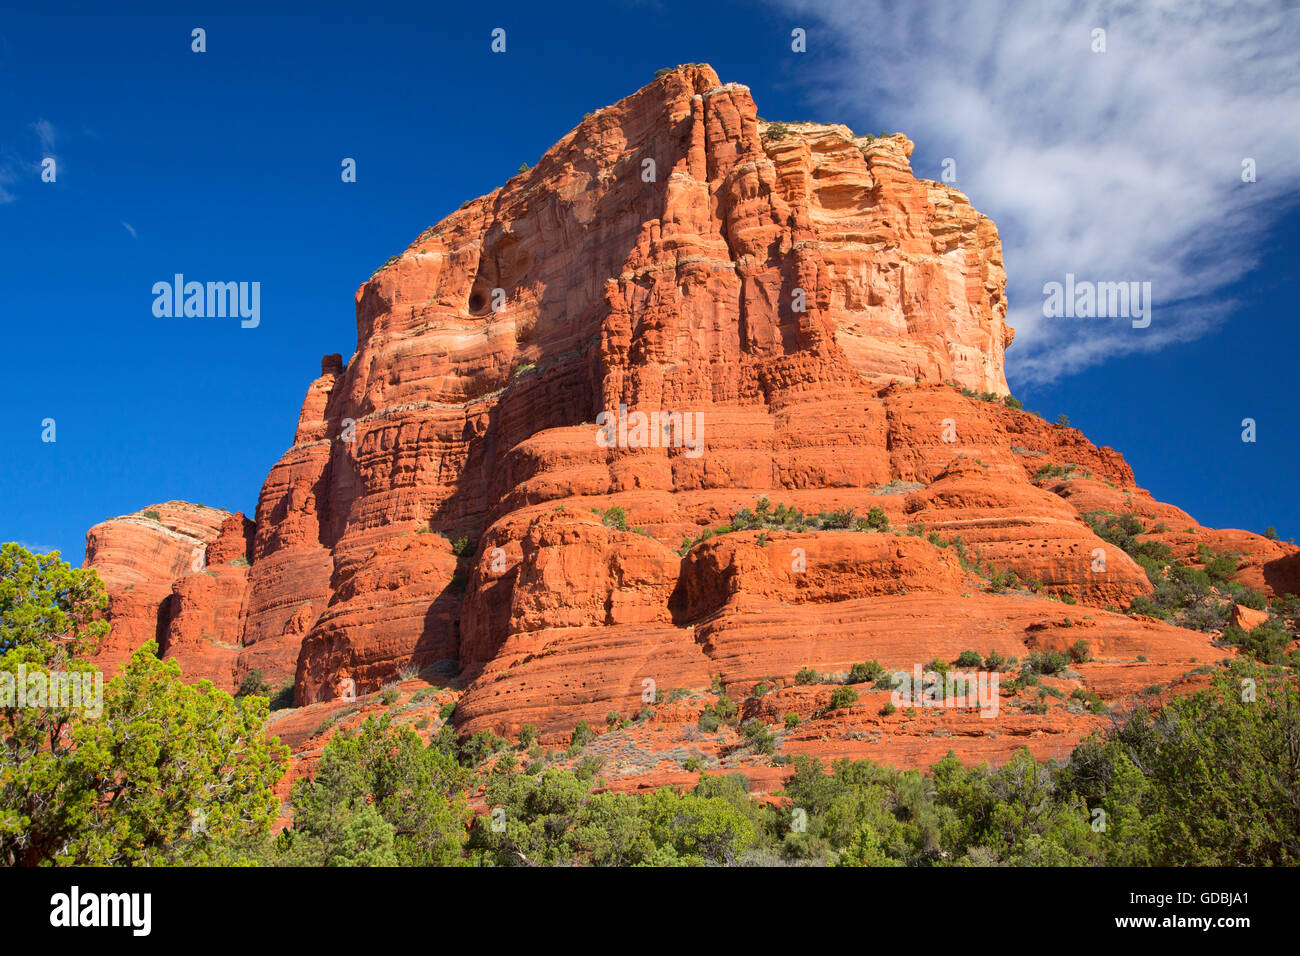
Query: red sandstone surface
811	304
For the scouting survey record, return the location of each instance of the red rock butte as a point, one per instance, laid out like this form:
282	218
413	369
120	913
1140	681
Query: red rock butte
810	304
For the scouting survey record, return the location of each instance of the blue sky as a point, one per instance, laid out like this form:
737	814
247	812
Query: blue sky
225	165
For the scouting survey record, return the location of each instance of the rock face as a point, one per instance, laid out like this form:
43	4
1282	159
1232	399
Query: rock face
802	314
139	557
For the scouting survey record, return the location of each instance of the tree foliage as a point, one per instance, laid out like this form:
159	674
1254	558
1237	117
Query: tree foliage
380	797
157	771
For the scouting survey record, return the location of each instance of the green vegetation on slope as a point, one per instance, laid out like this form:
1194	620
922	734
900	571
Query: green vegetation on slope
172	773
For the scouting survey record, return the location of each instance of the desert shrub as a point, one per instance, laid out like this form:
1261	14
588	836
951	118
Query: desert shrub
776	131
1193	752
1046	662
1050	471
876	520
758	736
1207	615
582	735
1002	580
1247	596
865	672
1144	605
722	711
690	828
1089	699
253	683
614	517
725	708
1268	642
969	659
379	797
836	520
885	681
843	697
1219	567
479	747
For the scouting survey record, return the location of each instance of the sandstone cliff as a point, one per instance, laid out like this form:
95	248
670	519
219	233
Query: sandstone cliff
807	306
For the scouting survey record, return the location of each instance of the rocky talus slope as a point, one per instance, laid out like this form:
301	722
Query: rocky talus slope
449	507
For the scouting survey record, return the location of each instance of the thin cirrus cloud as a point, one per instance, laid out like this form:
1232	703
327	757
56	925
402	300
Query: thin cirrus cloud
1117	166
44	130
19	166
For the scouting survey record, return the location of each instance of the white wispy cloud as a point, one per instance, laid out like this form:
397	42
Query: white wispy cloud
19	164
1114	166
44	130
129	228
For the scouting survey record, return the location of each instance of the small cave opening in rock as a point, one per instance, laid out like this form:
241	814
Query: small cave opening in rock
480	297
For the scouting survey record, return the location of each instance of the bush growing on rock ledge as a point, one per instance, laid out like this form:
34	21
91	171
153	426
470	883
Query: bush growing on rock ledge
866	672
614	517
842	697
785	518
758	736
1047	662
776	131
